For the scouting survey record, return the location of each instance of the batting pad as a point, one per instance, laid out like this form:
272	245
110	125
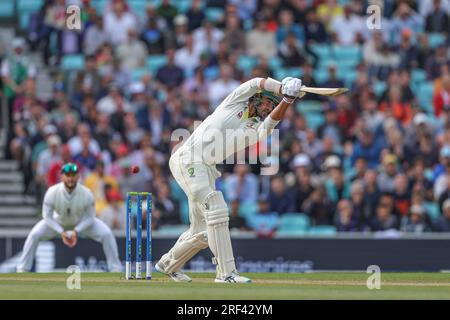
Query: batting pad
184	249
218	233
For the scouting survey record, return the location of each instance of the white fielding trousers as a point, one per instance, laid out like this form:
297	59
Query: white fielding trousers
98	231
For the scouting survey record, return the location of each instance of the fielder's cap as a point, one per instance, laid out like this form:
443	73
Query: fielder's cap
420	118
446	204
445	152
332	162
301	160
417	209
69	167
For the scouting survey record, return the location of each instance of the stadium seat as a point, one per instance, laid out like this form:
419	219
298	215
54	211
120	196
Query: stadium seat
28	5
322	230
314	119
309	106
154	62
322	50
321	75
138	6
275	63
281	72
293	222
247	63
379	87
432	209
211	73
214	14
99	5
425	96
352	53
24	20
137	74
7	9
418	75
436	39
183	6
72	62
172	230
246	209
291	233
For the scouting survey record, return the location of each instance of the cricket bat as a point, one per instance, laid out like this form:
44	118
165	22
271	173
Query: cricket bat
324	91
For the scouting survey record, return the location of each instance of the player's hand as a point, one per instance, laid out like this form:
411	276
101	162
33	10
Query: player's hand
290	87
69	238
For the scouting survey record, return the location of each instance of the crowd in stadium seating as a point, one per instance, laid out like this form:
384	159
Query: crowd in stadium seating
375	159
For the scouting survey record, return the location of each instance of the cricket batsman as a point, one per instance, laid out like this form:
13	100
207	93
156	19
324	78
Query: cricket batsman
69	211
253	107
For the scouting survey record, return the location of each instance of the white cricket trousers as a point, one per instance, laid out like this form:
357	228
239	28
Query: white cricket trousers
98	231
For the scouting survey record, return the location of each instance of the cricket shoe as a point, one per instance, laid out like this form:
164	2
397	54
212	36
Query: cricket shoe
175	276
234	277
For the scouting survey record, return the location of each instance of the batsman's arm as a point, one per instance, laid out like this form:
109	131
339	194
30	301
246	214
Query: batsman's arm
47	213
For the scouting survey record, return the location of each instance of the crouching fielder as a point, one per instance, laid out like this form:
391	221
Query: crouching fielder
69	211
253	106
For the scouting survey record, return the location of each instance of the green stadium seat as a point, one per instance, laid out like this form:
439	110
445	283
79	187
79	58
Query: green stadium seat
293	222
322	50
281	73
314	119
138	6
72	62
137	74
275	63
320	75
425	96
172	230
24	20
309	106
99	5
247	209
352	53
28	5
291	233
432	209
7	9
322	230
379	87
214	14
183	6
154	62
436	39
247	63
418	75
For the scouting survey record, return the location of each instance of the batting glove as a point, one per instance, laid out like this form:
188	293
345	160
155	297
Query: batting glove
291	89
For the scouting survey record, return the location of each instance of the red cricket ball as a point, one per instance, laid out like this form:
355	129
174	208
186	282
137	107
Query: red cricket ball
134	169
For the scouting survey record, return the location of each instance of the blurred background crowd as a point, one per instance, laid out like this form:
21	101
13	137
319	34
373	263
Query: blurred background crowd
375	159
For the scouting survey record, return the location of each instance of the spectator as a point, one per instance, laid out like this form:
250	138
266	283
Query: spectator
367	147
345	220
265	221
153	36
302	188
113	102
443	223
168	209
415	222
132	53
386	178
207	37
331	128
348	27
46	158
54	171
405	18
187	57
260	41
167	11
279	199
402	194
234	35
170	75
315	31
195	15
384	219
437	20
336	186
118	21
94	37
112	214
242	185
288	27
99	183
236	221
318	207
436	61
222	86
291	51
441	99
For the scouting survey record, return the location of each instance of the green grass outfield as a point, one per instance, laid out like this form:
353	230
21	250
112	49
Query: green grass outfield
350	285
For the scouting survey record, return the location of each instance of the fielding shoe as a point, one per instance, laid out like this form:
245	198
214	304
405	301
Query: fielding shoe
175	276
233	278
